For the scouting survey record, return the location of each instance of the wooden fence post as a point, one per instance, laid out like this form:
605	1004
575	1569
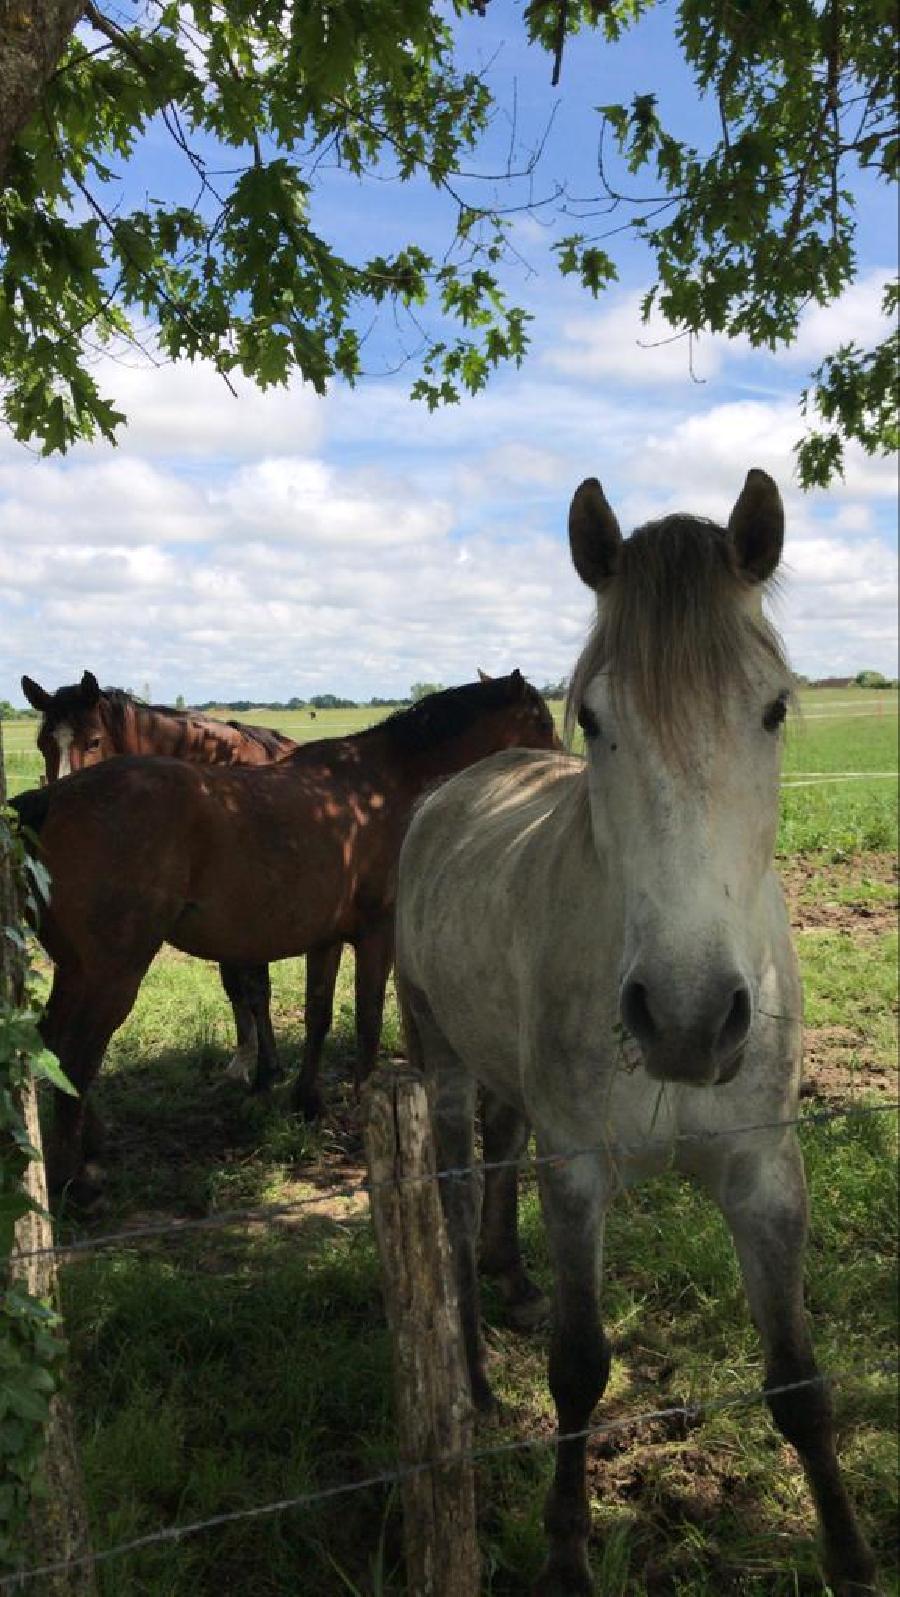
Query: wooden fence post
58	1526
433	1406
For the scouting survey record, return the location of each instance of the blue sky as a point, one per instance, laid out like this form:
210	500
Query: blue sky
284	544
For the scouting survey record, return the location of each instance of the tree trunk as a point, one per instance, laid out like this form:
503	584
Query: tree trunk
58	1525
33	35
431	1388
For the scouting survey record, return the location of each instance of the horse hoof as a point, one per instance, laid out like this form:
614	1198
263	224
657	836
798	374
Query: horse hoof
310	1105
862	1585
82	1190
571	1579
94	1135
526	1307
531	1313
240	1068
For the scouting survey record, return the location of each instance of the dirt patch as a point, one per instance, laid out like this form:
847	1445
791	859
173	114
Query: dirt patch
681	1489
835	1069
848	896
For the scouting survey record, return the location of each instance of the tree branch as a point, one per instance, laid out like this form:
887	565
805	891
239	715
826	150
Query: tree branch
33	36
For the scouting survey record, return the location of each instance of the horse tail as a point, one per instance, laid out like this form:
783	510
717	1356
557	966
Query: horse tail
31	808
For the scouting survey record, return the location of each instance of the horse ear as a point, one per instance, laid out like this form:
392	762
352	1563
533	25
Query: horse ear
594	536
756	527
484	676
90	688
518	682
37	696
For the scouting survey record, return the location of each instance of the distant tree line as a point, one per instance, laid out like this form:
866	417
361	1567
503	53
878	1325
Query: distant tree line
318	701
419	690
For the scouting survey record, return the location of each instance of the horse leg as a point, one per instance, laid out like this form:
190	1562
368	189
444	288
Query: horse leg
764	1203
81	1015
374	956
244	1058
255	1059
258	987
321	974
452	1093
505	1136
572	1201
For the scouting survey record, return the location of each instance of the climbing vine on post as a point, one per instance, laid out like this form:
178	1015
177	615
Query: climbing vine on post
30	1343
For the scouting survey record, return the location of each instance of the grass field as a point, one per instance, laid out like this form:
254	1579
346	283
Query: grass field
229	1368
837	730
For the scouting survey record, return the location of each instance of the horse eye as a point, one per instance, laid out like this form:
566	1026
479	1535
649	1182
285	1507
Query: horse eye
588	722
94	744
775	713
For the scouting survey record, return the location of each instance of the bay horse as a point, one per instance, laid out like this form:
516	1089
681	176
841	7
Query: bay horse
602	945
244	865
83	724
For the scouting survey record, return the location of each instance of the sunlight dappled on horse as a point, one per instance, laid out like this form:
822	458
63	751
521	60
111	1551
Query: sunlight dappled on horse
245	865
84	724
601	947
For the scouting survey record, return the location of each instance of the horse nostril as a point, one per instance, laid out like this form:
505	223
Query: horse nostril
736	1025
634	1007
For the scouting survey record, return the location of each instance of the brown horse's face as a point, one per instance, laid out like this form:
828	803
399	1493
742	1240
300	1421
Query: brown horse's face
73	733
523	723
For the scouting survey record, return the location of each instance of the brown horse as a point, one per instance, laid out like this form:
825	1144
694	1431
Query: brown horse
245	865
83	724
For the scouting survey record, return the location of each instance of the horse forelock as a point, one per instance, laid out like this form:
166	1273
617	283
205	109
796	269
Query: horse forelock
675	631
66	705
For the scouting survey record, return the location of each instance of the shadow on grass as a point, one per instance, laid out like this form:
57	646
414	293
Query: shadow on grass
180	1139
220	1372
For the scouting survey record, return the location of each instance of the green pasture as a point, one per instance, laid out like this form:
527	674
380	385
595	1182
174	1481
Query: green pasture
836	730
251	1363
232	1367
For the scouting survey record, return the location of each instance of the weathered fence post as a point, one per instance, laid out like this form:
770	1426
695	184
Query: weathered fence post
434	1417
58	1526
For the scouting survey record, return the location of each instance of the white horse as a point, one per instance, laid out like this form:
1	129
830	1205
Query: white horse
603	945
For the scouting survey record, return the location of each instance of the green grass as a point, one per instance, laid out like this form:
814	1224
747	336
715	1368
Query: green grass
246	1363
221	1371
837	730
231	1367
852	982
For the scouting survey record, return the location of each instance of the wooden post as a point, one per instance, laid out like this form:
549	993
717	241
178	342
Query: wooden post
58	1527
433	1405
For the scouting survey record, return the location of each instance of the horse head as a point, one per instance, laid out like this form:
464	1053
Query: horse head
74	731
681	693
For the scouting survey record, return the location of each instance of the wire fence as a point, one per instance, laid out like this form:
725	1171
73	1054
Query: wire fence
528	1163
689	1413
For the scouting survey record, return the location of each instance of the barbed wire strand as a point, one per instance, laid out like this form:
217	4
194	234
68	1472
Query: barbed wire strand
275	1211
686	1411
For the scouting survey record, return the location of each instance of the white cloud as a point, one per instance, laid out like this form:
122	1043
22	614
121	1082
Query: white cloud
186	411
309	503
400	548
700	462
616	344
855	317
99	500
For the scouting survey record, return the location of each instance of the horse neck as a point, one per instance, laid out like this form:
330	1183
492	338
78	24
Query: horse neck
421	768
150	731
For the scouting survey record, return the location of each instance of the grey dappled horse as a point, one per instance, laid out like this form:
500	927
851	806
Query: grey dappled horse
603	946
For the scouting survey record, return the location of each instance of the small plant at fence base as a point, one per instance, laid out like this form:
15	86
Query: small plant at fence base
30	1344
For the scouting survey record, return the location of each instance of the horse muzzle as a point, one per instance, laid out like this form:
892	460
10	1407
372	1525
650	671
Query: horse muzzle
700	1044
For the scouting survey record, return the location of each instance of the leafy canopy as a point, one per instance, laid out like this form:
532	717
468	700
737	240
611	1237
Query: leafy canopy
263	104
